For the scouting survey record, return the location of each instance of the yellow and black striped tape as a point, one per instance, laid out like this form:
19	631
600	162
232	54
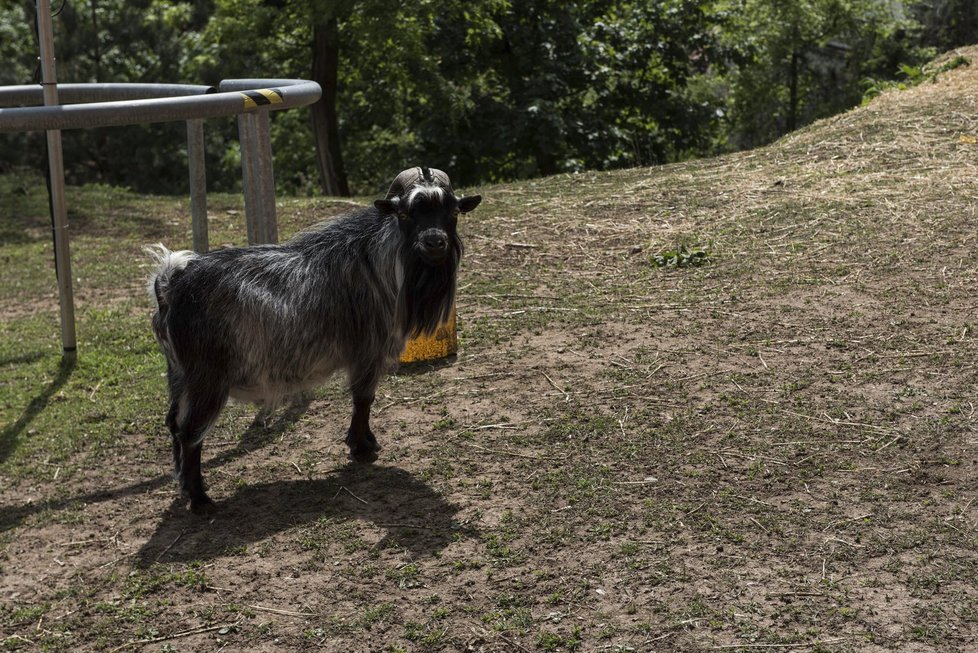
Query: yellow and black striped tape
261	97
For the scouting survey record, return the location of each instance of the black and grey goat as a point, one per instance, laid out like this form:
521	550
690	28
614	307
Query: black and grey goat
264	322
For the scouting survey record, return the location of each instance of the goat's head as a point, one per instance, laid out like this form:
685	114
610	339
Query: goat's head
427	211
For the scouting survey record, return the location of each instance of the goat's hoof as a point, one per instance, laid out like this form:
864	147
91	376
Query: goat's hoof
364	455
363	448
202	505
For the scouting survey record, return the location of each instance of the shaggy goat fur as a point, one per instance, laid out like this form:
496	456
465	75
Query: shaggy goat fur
264	322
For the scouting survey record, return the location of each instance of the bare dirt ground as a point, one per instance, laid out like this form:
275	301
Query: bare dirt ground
775	450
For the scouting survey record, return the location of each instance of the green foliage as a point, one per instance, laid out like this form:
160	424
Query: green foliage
680	257
955	62
489	89
947	24
18	64
912	76
650	95
800	61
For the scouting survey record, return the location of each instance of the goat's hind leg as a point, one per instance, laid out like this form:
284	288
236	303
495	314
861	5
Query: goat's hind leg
173	416
202	410
171	423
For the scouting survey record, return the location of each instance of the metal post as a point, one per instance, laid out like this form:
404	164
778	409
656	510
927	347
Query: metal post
247	127
266	176
257	176
56	170
198	183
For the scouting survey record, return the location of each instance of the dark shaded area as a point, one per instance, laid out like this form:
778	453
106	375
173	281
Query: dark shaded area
418	368
417	516
10	434
23	359
26	218
26	225
262	430
414	514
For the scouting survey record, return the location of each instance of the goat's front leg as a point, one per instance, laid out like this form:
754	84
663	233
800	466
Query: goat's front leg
361	440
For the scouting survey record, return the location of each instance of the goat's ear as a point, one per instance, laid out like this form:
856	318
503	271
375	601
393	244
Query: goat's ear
466	204
386	206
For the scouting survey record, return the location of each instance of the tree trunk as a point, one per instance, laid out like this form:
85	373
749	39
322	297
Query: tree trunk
793	92
97	53
325	125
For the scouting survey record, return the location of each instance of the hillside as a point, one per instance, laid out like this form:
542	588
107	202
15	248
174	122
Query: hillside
770	445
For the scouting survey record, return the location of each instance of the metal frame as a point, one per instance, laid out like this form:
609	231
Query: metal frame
110	105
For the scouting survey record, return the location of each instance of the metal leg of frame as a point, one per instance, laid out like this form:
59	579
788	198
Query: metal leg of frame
56	167
249	174
62	254
258	177
198	183
266	176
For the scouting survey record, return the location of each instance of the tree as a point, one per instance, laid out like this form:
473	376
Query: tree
802	60
947	24
18	49
325	121
551	86
108	41
651	92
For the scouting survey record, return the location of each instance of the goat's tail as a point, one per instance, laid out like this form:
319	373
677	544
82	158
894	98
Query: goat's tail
167	264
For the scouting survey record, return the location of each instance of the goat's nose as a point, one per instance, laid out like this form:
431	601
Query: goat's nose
435	241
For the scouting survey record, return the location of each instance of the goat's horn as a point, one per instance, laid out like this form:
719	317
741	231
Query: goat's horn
406	179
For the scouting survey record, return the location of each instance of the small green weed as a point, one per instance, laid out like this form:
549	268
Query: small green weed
680	257
556	642
376	614
406	576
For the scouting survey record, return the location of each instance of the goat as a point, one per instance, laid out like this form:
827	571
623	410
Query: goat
264	322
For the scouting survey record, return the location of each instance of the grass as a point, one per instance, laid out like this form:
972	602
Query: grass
763	441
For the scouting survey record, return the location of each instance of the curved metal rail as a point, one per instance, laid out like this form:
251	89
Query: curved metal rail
113	105
83	106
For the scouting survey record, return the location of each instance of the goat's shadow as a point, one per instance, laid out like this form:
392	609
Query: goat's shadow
263	429
418	368
412	514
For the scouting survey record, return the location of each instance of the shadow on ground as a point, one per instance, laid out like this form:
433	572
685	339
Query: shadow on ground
262	430
10	434
411	512
419	368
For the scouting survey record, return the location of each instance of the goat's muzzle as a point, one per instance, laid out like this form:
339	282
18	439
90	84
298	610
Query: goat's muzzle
434	245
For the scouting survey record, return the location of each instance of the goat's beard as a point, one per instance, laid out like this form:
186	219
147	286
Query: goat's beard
428	292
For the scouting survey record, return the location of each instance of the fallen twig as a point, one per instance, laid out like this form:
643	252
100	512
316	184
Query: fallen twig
347	490
185	633
795	645
872	427
846	521
170	546
287	613
555	387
